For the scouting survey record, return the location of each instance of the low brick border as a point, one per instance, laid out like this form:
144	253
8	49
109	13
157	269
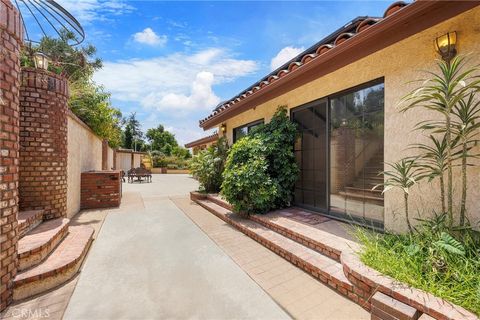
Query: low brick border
364	280
372	281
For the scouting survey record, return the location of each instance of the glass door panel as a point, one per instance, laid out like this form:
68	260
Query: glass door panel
356	153
311	154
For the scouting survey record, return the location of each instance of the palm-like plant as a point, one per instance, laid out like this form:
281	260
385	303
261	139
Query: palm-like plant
466	128
403	175
432	163
441	93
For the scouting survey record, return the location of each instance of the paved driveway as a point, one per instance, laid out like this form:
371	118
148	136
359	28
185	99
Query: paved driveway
150	261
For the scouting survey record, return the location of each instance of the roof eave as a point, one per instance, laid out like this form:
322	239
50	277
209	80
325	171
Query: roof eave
414	18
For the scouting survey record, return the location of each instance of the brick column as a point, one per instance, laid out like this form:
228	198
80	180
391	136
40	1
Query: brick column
43	142
10	41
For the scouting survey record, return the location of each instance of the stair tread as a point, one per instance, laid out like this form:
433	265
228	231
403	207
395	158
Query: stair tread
330	240
320	261
24	216
41	235
66	254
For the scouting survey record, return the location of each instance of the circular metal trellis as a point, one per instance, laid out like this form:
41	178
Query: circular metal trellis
46	18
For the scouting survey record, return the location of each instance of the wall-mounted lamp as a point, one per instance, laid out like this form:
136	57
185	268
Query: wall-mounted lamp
41	60
445	46
223	128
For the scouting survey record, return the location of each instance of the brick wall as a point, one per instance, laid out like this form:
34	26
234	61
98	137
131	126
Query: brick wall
101	189
43	142
10	40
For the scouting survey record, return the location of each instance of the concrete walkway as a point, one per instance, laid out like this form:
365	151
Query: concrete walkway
150	261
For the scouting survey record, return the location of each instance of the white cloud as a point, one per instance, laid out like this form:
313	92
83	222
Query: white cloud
87	11
148	36
177	81
284	55
201	96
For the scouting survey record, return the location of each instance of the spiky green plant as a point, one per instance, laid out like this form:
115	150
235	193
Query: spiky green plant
441	93
433	162
466	128
403	175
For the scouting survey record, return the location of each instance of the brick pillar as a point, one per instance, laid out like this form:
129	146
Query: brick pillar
43	142
105	155
10	41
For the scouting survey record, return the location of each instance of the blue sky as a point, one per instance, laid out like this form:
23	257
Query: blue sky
172	62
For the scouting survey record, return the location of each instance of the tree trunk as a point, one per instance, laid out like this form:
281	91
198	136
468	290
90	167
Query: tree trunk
442	193
405	197
449	170
464	185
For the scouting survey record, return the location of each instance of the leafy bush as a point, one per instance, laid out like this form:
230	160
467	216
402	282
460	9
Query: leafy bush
435	259
208	165
261	171
247	184
172	162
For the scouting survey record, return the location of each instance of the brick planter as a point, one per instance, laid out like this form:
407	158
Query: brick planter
100	189
43	142
370	281
385	297
11	33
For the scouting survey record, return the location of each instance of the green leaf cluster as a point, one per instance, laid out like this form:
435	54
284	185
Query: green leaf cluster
261	172
208	165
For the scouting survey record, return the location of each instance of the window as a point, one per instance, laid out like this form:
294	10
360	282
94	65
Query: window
242	131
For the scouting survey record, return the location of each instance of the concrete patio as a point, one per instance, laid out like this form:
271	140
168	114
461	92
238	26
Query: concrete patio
161	256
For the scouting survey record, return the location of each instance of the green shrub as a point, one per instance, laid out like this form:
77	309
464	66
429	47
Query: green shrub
261	171
208	165
159	161
247	184
433	258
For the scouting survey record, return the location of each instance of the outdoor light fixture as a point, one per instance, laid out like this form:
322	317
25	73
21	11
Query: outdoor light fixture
445	45
41	60
223	128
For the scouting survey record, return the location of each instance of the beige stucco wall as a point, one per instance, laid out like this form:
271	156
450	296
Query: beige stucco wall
124	161
84	154
398	64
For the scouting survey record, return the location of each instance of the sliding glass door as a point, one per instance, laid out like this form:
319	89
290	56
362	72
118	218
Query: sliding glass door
340	154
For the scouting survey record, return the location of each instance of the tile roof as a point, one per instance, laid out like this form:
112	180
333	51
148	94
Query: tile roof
330	42
207	139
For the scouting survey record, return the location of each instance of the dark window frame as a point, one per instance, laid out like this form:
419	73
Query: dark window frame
248	126
377	225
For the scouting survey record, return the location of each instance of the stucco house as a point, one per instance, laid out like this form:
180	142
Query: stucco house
202	143
343	92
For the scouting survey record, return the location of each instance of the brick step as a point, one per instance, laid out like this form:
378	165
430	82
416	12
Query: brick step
365	197
215	198
27	220
323	242
39	242
366	191
321	267
60	266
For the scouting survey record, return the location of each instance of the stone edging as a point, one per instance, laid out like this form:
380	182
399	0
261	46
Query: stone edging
371	281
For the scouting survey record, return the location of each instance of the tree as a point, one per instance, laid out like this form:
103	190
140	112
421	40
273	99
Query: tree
162	140
133	133
92	105
88	100
74	63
